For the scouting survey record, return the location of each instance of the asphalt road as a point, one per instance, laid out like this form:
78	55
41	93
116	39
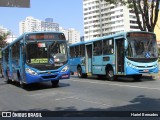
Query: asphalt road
83	95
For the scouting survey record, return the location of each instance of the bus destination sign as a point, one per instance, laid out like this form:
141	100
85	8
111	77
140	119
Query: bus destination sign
134	34
45	36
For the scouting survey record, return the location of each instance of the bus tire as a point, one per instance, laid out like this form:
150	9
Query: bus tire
55	83
80	74
22	84
7	78
72	73
137	78
110	74
1	73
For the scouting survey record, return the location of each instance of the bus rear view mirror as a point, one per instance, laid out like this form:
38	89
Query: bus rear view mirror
125	44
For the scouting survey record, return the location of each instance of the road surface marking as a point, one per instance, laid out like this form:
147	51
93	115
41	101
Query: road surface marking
85	100
117	85
43	94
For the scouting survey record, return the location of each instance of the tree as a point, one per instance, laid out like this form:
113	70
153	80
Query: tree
3	37
147	9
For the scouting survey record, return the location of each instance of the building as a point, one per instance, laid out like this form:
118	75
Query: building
31	24
49	20
157	29
82	38
3	30
71	34
102	19
10	37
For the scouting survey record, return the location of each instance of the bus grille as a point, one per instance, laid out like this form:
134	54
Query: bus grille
48	77
144	66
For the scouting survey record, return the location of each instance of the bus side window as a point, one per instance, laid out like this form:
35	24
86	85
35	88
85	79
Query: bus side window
82	50
16	53
6	55
76	51
108	46
97	48
72	54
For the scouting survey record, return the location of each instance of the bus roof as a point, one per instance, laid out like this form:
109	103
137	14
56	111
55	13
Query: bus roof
21	36
108	36
41	32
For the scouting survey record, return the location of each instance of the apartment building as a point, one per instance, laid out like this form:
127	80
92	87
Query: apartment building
71	34
102	19
31	24
3	30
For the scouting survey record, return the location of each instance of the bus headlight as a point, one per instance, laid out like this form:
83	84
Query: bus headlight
129	64
32	72
65	69
156	65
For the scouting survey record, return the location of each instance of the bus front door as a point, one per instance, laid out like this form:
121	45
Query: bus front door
120	56
88	59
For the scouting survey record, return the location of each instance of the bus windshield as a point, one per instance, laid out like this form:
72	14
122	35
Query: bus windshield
47	52
142	47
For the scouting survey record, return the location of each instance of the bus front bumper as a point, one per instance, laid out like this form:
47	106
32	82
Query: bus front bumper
46	77
132	71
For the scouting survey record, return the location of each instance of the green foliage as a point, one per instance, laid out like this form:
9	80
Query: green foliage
3	37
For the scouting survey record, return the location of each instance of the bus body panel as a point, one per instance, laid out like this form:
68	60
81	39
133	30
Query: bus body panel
74	62
50	76
143	68
97	65
115	50
14	68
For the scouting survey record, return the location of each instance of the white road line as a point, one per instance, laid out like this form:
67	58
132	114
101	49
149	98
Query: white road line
65	98
77	98
120	85
103	104
42	94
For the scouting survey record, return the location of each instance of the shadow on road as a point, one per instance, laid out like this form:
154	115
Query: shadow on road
45	85
140	104
120	79
36	86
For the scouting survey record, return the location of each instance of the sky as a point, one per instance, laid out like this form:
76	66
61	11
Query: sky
68	13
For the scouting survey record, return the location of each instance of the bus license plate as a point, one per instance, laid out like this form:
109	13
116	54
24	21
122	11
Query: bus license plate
145	70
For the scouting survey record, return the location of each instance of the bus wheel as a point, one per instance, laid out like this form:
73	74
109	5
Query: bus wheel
1	73
79	72
55	83
22	85
110	74
7	78
72	73
137	78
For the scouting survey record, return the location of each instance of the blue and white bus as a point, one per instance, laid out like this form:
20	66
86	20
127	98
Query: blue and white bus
36	57
126	53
